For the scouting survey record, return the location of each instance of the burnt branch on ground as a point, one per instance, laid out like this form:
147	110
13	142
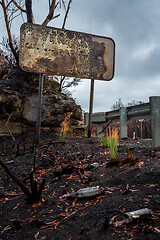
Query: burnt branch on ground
35	194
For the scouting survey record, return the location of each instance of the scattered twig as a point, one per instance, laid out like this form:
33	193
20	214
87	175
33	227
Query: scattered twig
9	116
80	175
106	125
126	190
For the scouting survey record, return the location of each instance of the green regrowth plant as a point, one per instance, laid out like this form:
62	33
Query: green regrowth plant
63	136
104	141
111	141
113	148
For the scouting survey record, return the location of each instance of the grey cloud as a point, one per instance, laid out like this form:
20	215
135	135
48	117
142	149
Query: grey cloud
134	26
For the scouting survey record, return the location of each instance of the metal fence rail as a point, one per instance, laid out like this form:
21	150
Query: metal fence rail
150	110
137	112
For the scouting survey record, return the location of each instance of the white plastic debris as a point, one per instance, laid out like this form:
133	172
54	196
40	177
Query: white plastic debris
85	192
95	164
134	135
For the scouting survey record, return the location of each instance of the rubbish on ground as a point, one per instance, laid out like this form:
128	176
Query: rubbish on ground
85	192
9	162
130	216
95	164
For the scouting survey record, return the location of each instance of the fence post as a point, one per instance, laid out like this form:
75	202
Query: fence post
39	109
99	129
123	122
155	120
86	118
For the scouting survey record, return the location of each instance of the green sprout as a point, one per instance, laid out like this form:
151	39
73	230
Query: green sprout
111	141
113	148
63	136
104	141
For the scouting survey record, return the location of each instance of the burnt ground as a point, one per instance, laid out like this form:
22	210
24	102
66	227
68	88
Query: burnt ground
66	167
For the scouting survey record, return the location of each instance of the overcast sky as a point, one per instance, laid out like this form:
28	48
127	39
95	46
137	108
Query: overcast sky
135	28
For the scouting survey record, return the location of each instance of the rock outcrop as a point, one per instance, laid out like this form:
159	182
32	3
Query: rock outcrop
22	105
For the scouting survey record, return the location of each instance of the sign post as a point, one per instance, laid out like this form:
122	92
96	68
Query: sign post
66	53
39	109
90	108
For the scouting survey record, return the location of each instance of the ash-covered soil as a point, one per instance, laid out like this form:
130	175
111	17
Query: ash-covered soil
131	184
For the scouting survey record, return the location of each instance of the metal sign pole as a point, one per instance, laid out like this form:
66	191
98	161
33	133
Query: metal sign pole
90	108
39	109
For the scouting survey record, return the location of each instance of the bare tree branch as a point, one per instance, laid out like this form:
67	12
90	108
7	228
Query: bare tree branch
9	116
9	31
64	22
56	16
35	193
61	83
51	13
63	3
73	82
56	5
18	6
9	4
11	19
17	180
22	16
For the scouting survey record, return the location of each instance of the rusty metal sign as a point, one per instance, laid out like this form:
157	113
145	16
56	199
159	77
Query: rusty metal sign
66	53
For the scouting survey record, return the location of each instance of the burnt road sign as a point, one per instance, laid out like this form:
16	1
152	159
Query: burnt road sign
66	53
